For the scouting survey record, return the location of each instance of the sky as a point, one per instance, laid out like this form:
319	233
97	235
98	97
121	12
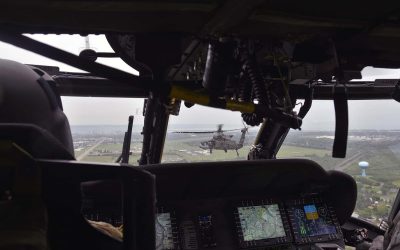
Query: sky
382	114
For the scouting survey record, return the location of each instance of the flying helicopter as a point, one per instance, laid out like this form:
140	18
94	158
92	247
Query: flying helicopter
254	57
220	141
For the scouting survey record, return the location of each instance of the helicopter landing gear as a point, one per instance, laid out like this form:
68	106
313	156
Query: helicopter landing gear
237	152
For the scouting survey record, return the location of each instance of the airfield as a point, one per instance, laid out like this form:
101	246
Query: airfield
380	149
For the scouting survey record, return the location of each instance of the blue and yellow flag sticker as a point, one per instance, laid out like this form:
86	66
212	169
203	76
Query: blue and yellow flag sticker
311	212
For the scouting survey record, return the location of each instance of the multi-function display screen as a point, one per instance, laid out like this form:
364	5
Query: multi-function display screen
164	237
261	222
313	220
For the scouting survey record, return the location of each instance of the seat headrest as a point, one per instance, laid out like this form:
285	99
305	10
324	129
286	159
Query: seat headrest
38	142
28	96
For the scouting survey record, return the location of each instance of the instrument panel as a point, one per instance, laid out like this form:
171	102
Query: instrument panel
246	224
285	204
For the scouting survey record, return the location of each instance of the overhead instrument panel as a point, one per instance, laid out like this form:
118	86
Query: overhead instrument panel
261	224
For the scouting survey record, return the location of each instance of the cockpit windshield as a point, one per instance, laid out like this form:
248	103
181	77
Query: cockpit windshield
207	134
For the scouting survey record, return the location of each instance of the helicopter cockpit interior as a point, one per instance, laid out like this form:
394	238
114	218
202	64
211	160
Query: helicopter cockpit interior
258	59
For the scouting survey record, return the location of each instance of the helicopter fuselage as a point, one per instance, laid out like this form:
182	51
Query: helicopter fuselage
220	144
224	142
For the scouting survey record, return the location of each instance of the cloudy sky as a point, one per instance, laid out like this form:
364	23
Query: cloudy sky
384	114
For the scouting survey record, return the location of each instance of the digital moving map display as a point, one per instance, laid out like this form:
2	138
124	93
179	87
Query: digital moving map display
261	222
313	220
164	236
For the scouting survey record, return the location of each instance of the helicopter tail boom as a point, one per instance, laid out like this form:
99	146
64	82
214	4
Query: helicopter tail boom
242	137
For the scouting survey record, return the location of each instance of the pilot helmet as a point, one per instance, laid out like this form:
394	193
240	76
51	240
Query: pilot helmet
28	96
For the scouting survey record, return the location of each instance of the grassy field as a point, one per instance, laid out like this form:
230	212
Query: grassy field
293	151
396	183
189	151
185	150
111	147
384	166
95	158
78	153
175	150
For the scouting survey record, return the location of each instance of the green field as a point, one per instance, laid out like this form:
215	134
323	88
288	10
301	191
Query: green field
105	159
78	153
189	151
300	152
396	183
384	166
112	147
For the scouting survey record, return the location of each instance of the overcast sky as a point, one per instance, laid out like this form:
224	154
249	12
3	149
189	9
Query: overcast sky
384	114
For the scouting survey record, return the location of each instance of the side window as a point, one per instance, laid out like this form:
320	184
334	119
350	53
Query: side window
98	126
373	150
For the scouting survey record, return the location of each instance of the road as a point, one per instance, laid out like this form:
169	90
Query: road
87	152
347	163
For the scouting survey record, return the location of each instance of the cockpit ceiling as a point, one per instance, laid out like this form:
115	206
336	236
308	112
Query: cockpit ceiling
365	33
253	17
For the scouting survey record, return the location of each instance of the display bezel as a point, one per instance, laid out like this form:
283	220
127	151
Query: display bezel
262	242
174	225
317	201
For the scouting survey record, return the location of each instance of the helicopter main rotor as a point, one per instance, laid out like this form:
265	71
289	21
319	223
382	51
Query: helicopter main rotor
219	130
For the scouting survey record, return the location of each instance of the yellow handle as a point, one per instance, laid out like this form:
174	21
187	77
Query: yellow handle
202	98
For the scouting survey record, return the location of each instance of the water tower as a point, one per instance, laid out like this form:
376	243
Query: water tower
363	166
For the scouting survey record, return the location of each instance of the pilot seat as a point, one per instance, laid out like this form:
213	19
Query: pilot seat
40	193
